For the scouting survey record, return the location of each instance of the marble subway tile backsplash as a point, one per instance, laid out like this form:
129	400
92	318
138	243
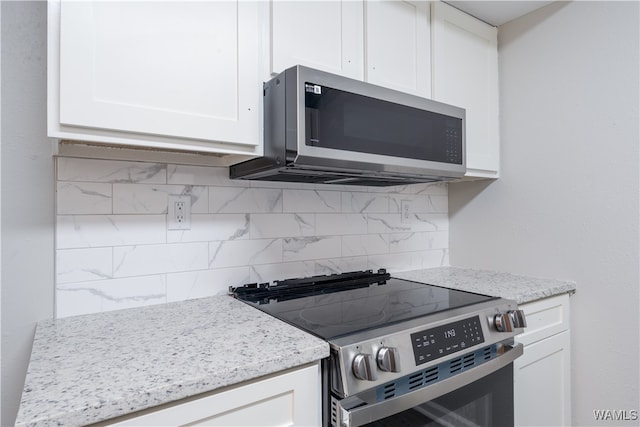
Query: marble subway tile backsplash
113	248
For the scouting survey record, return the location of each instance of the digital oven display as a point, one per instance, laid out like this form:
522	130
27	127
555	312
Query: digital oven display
434	343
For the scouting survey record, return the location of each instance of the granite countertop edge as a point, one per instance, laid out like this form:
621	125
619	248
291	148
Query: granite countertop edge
519	288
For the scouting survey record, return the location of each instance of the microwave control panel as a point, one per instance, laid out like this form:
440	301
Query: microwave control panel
453	146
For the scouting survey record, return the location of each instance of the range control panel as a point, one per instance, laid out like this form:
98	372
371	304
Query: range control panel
440	341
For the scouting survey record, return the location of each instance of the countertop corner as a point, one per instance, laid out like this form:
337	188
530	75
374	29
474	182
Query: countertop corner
91	368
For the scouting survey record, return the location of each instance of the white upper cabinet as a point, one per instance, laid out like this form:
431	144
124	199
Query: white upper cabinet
326	35
188	76
382	42
397	45
176	75
465	74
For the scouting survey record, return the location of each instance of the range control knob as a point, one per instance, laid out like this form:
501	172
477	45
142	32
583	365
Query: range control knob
389	359
518	319
502	322
364	367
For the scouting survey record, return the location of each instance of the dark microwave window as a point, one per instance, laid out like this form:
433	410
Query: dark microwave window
347	121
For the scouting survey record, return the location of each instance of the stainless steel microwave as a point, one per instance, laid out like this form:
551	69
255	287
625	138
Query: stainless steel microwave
324	128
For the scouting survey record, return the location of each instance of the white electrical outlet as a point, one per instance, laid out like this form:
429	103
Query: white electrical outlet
405	211
179	213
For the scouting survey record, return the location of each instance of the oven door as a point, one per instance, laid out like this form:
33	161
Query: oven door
482	396
485	402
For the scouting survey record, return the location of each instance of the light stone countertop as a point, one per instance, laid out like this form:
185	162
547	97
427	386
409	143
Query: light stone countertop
90	368
521	289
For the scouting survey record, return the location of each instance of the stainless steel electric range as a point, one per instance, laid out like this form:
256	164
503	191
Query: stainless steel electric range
403	353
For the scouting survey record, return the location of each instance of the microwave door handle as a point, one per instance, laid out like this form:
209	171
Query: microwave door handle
312	123
364	413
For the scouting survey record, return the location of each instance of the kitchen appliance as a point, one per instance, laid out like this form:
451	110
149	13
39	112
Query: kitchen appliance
402	352
324	128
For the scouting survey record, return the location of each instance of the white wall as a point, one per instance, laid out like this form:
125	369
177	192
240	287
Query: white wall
567	203
27	193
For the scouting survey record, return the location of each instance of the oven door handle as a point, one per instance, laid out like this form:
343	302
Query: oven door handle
362	413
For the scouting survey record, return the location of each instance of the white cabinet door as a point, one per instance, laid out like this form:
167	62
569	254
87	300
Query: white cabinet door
542	375
184	71
383	42
542	389
398	45
326	35
289	399
465	74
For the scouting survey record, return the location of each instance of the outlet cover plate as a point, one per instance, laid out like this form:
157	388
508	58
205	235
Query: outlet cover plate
179	213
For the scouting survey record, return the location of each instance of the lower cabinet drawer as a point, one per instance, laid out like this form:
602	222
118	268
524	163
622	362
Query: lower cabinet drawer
545	318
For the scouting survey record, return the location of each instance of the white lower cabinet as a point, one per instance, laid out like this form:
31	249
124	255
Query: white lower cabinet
542	381
288	399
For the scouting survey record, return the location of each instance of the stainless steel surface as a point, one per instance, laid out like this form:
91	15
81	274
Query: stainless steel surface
397	344
364	367
288	158
502	322
376	162
518	318
363	408
389	359
345	349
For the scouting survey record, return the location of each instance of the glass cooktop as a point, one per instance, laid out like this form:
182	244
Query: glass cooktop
342	304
